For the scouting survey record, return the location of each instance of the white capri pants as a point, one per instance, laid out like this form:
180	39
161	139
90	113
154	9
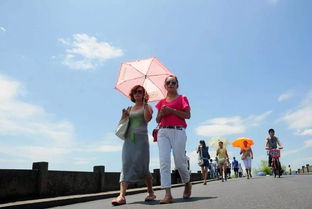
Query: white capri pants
175	140
247	163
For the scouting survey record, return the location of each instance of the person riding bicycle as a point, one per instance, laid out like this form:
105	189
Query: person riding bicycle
272	142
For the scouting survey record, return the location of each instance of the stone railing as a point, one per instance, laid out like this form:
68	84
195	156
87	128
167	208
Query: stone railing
41	182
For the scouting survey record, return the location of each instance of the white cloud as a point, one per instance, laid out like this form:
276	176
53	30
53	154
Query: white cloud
86	52
110	143
300	118
29	133
228	126
46	139
285	96
304	132
2	29
306	144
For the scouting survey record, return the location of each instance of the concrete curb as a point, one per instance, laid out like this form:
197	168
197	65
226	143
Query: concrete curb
67	200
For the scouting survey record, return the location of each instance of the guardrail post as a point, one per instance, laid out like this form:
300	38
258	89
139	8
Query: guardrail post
100	170
42	179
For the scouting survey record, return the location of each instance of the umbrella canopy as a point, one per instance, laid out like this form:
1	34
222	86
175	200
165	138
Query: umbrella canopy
239	142
149	73
214	142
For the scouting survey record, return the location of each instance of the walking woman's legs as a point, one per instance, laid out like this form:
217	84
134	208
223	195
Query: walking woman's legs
225	171
123	188
220	169
120	200
149	184
202	171
205	174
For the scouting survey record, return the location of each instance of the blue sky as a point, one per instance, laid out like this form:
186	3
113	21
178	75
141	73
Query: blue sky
244	65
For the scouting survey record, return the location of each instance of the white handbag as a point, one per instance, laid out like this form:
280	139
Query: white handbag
122	128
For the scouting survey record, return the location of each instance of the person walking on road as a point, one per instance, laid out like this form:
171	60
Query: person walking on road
247	156
135	150
223	158
203	155
213	169
235	167
172	112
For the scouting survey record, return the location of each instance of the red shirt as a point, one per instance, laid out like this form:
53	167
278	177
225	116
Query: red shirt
180	103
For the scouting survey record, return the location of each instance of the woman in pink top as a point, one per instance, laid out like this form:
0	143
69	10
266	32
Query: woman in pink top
172	112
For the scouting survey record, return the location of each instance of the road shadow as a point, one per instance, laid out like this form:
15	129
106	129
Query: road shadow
176	200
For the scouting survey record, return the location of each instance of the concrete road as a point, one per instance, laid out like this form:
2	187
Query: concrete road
260	192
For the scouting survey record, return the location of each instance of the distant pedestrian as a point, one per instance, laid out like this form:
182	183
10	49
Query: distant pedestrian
135	150
203	155
289	170
172	112
213	169
222	157
235	167
247	156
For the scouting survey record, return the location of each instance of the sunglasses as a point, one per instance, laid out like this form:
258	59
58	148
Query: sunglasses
171	82
138	91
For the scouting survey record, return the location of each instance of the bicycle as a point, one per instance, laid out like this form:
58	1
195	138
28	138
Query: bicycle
276	165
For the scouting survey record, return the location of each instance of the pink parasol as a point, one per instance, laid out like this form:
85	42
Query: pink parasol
149	73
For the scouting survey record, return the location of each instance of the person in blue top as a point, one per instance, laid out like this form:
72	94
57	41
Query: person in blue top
203	154
235	167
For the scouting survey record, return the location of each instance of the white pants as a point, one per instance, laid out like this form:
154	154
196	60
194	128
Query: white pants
176	140
247	163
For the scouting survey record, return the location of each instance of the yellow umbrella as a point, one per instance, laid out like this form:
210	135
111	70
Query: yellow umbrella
214	142
240	142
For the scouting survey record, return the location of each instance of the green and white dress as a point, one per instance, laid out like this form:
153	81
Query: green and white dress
135	150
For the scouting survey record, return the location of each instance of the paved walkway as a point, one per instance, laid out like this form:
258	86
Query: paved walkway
288	192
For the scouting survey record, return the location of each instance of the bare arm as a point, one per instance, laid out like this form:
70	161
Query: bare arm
241	151
197	151
266	146
125	113
251	153
226	154
279	144
148	112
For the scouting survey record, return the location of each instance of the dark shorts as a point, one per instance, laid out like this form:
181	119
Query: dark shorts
235	170
206	163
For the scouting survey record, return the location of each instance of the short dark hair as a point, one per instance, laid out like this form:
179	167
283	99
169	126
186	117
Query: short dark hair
271	130
145	95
